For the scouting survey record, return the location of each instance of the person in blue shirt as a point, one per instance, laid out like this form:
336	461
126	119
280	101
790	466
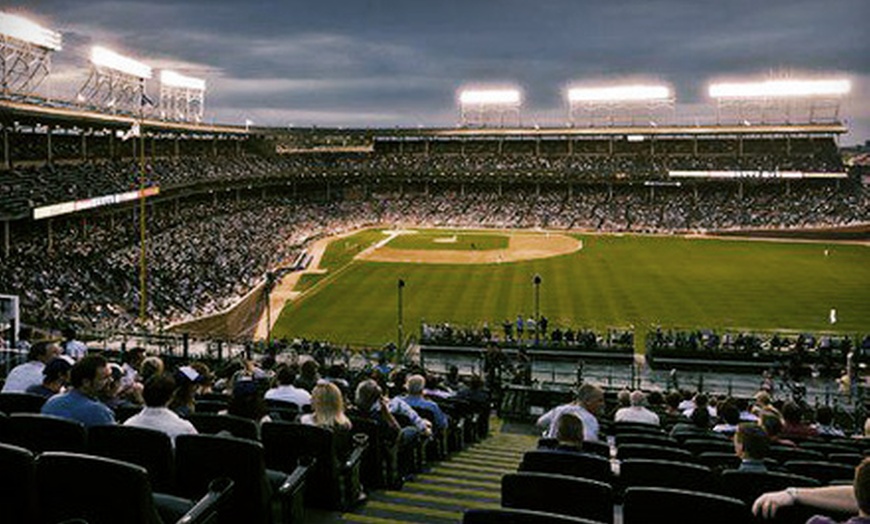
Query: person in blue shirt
87	378
415	384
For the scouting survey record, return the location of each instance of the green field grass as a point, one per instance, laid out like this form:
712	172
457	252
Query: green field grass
464	241
637	281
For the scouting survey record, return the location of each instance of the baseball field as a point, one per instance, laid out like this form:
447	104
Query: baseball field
587	281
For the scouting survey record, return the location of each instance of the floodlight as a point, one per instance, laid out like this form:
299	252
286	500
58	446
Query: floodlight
100	56
490	96
781	88
23	29
173	79
627	93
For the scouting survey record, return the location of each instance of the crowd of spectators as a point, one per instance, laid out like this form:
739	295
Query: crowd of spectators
204	252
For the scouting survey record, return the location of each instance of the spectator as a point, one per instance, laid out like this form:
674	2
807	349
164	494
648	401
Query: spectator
841	499
285	390
88	377
183	400
247	401
327	404
414	385
793	425
30	373
55	377
825	423
636	412
308	375
590	399
72	347
730	418
751	444
156	415
569	432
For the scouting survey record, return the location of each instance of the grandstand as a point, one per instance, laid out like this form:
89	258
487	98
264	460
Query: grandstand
135	222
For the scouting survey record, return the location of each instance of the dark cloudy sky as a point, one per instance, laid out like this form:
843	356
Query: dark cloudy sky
399	62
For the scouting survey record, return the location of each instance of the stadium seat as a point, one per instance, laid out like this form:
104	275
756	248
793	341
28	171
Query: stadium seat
666	474
21	403
558	494
827	448
212	423
283	410
824	472
437	446
719	461
645	505
749	485
380	463
40	433
643	451
334	478
649	439
783	454
581	465
636	427
698	446
518	516
849	459
201	458
101	490
148	448
18	478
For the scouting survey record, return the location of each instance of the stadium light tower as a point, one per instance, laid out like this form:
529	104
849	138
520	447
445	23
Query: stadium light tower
618	103
479	106
116	82
816	100
25	54
181	97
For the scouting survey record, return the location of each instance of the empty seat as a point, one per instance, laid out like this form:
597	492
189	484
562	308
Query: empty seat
201	458
636	427
824	472
645	505
647	439
40	433
103	490
148	448
518	516
569	463
18	478
666	474
559	494
698	446
334	481
643	451
749	485
21	403
212	423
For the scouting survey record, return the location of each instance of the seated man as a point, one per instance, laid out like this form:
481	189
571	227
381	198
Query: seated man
55	377
285	390
636	411
590	399
29	374
88	377
415	384
751	445
843	499
156	415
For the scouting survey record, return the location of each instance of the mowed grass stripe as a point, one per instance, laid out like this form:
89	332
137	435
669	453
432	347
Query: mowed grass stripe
612	281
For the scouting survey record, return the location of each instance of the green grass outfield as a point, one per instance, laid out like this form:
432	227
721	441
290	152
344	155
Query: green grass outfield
613	281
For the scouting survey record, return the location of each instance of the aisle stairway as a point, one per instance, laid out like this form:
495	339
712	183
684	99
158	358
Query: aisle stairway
469	479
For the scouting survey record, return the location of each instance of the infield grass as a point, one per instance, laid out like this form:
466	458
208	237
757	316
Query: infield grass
447	240
614	281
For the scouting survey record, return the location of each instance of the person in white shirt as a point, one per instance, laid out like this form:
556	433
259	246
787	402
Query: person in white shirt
636	411
72	347
590	399
286	391
155	415
29	374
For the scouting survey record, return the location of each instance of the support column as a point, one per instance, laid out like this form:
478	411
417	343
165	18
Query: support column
84	147
6	238
49	154
50	237
111	145
6	156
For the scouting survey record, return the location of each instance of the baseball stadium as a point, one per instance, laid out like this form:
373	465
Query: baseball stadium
623	254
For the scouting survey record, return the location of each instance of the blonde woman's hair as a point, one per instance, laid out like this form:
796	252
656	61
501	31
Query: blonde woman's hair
327	405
